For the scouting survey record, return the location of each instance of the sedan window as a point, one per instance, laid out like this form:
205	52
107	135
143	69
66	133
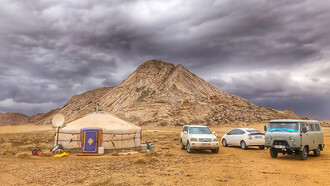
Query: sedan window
239	131
255	132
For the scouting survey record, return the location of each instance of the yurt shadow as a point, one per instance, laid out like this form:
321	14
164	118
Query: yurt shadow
99	129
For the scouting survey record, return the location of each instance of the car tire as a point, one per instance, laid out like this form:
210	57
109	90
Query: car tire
224	143
304	154
215	150
317	151
273	153
262	147
188	148
182	145
243	145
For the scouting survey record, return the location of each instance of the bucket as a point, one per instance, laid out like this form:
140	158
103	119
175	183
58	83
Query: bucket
148	145
143	148
152	147
101	150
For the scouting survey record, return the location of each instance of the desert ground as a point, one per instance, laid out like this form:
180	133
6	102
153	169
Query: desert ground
169	165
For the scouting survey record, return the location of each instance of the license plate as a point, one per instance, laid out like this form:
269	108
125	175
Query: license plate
280	146
206	144
258	137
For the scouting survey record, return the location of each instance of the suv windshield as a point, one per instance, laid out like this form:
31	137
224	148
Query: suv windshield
283	127
199	130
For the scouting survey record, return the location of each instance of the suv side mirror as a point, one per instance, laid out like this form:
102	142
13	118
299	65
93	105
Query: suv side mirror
304	129
265	128
185	132
214	133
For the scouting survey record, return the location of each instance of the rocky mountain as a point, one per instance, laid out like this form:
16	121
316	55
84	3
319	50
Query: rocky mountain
160	93
12	118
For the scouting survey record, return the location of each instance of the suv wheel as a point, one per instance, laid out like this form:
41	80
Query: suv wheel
273	153
317	151
224	143
243	145
188	147
262	147
303	154
215	150
181	144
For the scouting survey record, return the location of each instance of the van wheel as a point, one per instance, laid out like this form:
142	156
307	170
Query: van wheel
243	145
224	143
181	144
317	151
303	154
262	147
273	153
188	147
215	150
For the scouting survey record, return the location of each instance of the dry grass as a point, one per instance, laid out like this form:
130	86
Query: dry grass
6	145
105	181
168	154
140	161
153	159
23	155
115	154
8	152
150	154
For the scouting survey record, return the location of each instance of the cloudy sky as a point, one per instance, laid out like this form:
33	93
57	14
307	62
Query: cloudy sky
273	53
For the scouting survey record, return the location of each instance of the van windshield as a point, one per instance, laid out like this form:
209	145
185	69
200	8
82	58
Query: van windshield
283	127
199	130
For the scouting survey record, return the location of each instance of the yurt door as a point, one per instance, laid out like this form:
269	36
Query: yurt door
90	141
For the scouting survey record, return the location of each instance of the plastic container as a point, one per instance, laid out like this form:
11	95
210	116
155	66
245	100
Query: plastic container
152	148
101	150
143	148
148	145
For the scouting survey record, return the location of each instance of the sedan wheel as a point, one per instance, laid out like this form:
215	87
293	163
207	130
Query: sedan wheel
188	147
224	143
243	145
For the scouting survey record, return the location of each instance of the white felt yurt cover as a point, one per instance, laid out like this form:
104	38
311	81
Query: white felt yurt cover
116	133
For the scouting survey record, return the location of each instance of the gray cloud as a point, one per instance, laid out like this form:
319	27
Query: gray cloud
51	50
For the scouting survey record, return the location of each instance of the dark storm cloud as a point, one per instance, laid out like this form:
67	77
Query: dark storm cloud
51	50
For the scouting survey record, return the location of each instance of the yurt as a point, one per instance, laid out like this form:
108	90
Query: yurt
99	129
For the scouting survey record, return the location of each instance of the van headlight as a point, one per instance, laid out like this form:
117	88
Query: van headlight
215	140
269	138
292	139
193	139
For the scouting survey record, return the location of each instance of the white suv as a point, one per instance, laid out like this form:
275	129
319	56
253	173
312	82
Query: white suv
198	137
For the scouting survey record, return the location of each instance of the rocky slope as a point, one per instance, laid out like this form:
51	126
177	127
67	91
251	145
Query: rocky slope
161	93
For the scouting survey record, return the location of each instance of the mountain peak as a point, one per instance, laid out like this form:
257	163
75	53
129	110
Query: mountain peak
155	64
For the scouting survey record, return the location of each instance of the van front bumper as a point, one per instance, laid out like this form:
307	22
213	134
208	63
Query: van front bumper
204	145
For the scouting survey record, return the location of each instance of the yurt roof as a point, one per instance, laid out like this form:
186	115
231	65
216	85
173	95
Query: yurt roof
104	120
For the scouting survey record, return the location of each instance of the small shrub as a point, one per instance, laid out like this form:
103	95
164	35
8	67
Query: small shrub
23	155
140	161
154	159
115	154
6	145
8	152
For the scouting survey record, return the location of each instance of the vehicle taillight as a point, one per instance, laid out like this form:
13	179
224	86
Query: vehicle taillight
250	137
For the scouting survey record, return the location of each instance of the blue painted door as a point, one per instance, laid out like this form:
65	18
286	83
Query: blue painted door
90	141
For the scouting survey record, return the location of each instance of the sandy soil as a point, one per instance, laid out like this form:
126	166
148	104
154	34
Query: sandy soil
168	166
